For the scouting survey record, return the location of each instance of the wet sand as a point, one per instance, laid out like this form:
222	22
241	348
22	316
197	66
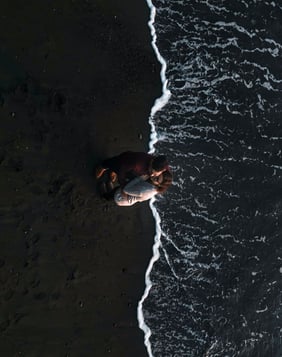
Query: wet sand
77	80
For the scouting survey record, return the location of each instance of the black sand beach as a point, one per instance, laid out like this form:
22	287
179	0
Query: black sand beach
77	80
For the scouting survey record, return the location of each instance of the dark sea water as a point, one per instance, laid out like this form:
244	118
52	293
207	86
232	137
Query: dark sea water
214	285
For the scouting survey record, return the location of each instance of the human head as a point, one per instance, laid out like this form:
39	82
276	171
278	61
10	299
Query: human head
159	164
165	181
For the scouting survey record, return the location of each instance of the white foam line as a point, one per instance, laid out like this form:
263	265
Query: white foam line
159	103
148	283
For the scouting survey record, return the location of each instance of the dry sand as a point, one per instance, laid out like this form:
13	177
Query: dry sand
77	80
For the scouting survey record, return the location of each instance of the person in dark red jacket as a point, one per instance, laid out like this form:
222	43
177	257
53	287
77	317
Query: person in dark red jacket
131	164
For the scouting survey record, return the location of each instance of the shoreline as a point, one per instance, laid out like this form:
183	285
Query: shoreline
79	84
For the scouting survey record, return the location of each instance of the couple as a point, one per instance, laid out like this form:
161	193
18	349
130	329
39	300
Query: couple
140	177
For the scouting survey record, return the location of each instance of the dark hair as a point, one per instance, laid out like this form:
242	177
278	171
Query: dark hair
159	163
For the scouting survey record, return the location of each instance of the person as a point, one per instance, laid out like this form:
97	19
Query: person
129	165
142	188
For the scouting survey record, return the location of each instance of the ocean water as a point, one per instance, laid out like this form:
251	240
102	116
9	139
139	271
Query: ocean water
214	284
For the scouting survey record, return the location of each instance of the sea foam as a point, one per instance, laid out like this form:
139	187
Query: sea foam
159	104
218	224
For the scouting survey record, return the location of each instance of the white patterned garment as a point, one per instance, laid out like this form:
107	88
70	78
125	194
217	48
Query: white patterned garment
137	190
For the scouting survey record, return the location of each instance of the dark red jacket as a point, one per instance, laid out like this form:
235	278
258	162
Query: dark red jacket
129	164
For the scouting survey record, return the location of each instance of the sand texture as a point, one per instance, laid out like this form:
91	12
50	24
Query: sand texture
77	82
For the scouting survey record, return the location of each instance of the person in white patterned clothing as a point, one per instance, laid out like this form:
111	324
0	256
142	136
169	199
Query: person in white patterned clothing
141	168
142	188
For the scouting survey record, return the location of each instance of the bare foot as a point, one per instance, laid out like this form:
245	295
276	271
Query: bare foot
99	171
113	176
